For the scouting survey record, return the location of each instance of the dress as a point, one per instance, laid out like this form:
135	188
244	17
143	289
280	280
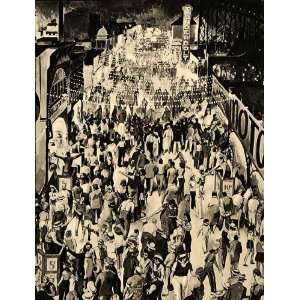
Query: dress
88	264
167	140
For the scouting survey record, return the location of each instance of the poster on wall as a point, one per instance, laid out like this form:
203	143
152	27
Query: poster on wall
51	264
65	180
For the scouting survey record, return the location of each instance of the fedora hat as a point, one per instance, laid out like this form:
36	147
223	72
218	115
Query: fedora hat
205	222
232	226
118	230
110	235
109	261
235	272
57	223
151	246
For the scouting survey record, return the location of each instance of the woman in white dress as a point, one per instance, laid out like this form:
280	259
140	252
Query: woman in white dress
167	139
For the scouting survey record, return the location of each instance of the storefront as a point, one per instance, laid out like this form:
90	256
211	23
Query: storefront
57	70
42	64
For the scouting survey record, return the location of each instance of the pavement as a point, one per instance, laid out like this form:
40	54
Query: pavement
197	254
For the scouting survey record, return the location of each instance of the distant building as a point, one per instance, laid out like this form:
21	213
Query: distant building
51	30
102	38
81	25
107	35
48	35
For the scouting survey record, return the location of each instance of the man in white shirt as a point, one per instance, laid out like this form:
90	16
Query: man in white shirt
237	200
252	209
126	212
213	209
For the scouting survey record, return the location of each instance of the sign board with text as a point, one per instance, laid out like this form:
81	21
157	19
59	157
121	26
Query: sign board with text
187	15
249	130
228	186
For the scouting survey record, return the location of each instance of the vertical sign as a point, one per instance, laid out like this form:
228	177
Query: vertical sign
187	15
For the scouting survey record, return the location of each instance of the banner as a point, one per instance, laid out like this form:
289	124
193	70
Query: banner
241	120
187	15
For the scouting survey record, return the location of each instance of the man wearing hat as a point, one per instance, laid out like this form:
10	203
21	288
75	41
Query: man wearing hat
213	210
100	254
130	261
257	286
205	233
108	282
235	290
195	286
157	279
126	211
235	251
210	261
148	232
237	200
253	204
106	215
226	210
168	217
180	273
134	288
96	202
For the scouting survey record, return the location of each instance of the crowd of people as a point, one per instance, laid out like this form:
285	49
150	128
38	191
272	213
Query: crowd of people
137	221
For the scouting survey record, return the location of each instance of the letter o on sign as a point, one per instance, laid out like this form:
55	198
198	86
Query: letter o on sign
259	160
243	131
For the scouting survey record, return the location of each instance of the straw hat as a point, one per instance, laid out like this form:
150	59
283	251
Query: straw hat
159	257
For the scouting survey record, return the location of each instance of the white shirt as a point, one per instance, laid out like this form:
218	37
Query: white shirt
127	205
150	228
208	120
252	205
237	200
248	194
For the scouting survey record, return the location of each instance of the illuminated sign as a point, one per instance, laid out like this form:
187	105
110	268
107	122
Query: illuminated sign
187	15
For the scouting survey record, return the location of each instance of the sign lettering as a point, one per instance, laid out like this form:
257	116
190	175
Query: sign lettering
187	15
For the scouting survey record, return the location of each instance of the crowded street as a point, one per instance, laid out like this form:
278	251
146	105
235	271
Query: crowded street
147	195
